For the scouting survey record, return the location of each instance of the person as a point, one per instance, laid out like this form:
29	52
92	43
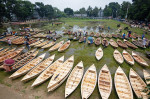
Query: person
5	33
54	38
108	28
75	34
104	43
49	32
123	36
26	37
129	33
144	42
55	33
7	68
27	44
79	33
143	36
84	33
9	42
84	40
16	34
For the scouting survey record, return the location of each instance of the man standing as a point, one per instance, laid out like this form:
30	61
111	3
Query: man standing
9	42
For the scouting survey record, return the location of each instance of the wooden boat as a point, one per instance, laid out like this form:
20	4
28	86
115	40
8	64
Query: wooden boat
74	79
42	44
25	60
12	54
56	46
105	40
113	43
118	57
64	46
81	40
97	35
109	35
36	43
48	45
114	36
89	82
105	82
122	85
121	44
119	35
137	84
18	41
20	57
128	58
103	35
137	43
48	72
148	54
129	44
92	34
27	67
1	49
99	53
31	41
38	69
134	37
98	41
146	76
61	74
5	51
139	59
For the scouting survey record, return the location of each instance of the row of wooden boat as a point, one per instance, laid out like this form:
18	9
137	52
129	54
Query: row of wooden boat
59	71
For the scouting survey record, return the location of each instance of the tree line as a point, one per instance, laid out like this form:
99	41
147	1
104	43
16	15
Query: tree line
137	10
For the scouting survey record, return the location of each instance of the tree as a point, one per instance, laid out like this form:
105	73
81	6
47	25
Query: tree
82	10
40	8
107	11
68	11
95	12
124	7
89	11
58	13
2	11
49	11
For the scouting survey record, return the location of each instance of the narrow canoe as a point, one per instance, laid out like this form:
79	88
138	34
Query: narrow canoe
26	68
18	41
48	72
42	44
4	51
92	34
113	43
109	35
118	57
103	35
12	54
105	82
139	59
122	85
129	44
7	52
121	44
99	53
74	79
137	84
98	41
105	40
64	46
146	76
137	43
61	74
97	35
56	46
89	82
38	69
48	45
36	43
128	58
25	60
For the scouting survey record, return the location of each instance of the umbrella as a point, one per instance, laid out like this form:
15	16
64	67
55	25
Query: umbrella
9	62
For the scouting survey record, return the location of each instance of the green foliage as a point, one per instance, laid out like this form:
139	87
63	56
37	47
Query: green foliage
95	12
68	11
89	11
40	8
49	11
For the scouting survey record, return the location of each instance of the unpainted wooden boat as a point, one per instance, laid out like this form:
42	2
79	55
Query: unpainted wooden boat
129	44
61	74
38	69
24	61
64	46
122	85
36	43
48	72
113	43
4	51
74	79
27	67
121	44
18	41
89	82
99	53
81	40
146	76
128	58
109	35
92	34
98	41
97	35
139	59
114	36
137	43
118	57
56	46
105	82
11	55
103	35
48	45
7	52
137	84
119	35
105	42
42	44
